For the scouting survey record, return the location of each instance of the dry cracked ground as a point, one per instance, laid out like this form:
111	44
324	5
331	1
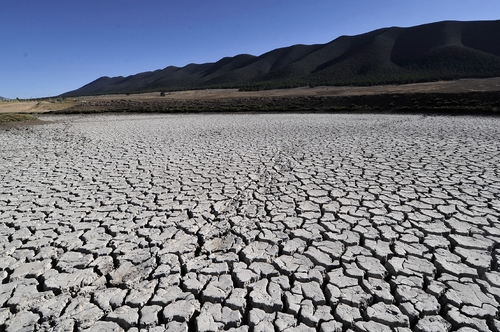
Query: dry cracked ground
250	223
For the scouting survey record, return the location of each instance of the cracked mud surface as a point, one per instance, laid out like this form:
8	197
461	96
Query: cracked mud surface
250	223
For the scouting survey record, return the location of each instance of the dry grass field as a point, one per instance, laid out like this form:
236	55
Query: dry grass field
459	86
30	107
241	97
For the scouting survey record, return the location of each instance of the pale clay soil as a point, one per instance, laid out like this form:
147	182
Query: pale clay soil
250	222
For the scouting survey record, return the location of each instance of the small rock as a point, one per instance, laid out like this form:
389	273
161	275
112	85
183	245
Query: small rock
110	298
180	311
432	324
218	289
331	326
30	270
176	327
387	314
23	321
103	326
124	316
371	326
459	320
243	276
266	297
284	321
84	313
141	293
72	260
237	299
149	316
258	319
65	325
347	315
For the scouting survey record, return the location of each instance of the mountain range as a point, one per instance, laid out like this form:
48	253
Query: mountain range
437	51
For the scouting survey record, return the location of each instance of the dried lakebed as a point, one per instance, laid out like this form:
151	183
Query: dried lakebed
250	222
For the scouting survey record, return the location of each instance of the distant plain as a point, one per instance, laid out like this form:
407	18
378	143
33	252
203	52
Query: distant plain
445	87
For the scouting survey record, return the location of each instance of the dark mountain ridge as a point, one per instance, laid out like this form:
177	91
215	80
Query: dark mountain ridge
436	51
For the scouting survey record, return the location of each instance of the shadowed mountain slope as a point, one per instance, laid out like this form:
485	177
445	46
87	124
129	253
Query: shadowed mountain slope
437	51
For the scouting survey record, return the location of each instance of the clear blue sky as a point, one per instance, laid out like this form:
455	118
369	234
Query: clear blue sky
48	47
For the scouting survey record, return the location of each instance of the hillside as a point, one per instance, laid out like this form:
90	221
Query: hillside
437	51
